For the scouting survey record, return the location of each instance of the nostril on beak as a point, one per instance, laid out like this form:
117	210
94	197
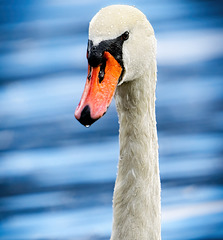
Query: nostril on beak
85	118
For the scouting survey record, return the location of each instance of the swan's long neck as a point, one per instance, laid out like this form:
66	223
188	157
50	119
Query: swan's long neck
136	200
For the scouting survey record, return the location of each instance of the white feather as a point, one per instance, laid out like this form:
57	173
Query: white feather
136	199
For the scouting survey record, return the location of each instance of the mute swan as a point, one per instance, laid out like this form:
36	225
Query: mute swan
122	62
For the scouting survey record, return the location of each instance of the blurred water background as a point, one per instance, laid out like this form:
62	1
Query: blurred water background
57	177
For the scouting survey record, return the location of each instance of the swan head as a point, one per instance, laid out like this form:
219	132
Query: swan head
121	48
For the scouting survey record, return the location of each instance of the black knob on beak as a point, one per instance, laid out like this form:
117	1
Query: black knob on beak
95	57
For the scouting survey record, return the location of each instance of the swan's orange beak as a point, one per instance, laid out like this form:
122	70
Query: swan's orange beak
99	90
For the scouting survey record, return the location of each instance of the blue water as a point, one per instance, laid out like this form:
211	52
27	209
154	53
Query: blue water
57	177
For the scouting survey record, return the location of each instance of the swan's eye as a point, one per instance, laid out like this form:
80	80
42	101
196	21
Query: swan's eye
125	36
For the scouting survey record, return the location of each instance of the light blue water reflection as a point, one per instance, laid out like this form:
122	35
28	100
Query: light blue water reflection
57	177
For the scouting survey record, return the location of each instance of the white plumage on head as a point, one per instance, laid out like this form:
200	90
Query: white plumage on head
112	21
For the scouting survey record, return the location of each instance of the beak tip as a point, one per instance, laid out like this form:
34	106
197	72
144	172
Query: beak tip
85	116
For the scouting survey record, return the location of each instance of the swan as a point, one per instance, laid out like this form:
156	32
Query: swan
121	57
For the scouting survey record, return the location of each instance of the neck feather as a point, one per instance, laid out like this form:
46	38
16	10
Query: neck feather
136	200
